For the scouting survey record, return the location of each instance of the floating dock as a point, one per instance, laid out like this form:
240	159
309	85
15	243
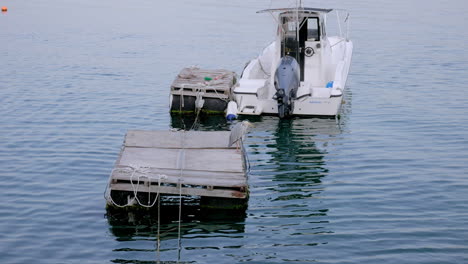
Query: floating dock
209	90
189	163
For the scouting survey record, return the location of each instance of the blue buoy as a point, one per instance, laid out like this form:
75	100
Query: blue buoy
329	85
231	111
230	117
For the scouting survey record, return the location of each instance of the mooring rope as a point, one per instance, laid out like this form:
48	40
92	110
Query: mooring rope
134	169
158	242
108	196
181	164
181	98
180	221
219	96
196	122
135	190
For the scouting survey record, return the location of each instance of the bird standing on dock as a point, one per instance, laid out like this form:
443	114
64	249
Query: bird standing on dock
238	132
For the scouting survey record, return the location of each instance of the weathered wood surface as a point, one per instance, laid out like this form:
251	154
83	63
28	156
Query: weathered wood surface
177	139
198	163
191	80
219	160
221	193
202	178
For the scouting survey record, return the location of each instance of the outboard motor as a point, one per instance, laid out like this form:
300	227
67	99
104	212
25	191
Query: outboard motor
286	84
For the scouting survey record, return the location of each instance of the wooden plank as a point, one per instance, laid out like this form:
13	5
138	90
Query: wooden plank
184	191
125	173
202	180
177	139
215	183
202	73
222	160
193	86
152	139
149	157
206	95
198	83
214	160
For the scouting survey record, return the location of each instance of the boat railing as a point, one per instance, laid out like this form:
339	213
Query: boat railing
343	21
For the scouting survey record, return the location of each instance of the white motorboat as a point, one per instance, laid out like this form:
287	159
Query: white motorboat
303	72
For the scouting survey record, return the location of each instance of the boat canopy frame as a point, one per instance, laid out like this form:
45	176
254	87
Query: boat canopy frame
294	44
320	12
296	9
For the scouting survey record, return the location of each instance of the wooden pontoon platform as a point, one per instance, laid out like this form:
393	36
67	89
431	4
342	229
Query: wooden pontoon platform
213	86
193	163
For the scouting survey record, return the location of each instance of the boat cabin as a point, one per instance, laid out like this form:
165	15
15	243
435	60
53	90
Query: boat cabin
301	33
322	57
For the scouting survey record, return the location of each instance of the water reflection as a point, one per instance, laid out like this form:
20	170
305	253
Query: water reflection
131	224
201	122
138	232
288	166
294	149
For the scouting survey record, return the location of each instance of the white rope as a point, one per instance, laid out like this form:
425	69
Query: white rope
135	190
108	195
196	122
180	201
181	97
180	221
158	242
219	96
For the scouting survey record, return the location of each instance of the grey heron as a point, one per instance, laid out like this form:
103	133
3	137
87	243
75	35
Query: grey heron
238	132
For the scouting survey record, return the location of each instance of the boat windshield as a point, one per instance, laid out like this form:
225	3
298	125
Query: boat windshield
295	28
289	28
313	32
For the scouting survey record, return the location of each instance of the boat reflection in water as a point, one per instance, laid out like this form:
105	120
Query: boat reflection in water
293	150
300	150
289	164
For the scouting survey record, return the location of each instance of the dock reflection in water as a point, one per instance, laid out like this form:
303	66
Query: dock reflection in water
137	231
288	161
202	122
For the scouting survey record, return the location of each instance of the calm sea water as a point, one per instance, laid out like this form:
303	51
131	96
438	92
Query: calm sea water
388	183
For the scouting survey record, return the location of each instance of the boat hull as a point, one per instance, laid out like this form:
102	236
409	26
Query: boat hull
311	100
326	107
